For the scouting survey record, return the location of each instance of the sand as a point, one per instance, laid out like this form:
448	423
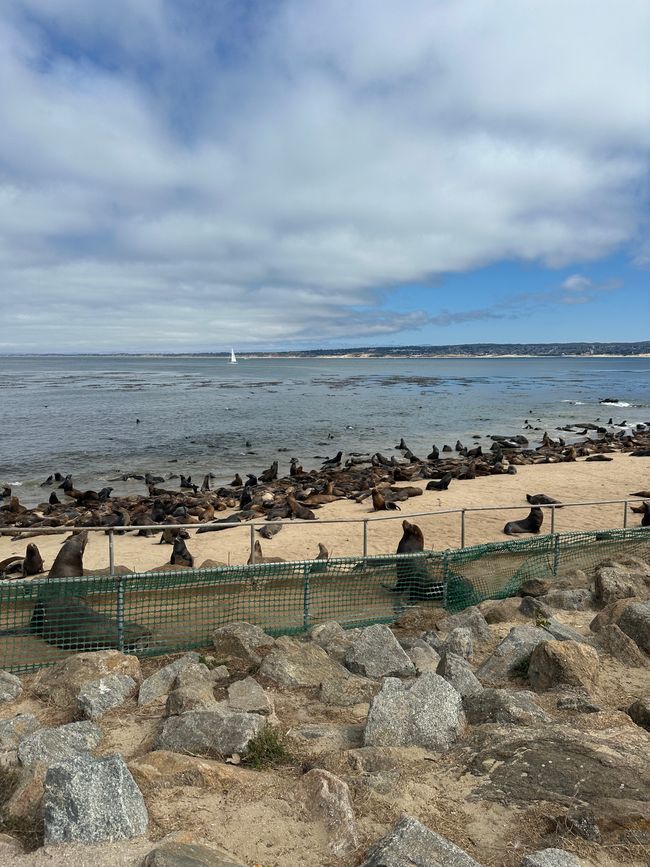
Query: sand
573	482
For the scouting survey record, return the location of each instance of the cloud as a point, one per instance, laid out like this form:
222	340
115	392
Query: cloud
189	175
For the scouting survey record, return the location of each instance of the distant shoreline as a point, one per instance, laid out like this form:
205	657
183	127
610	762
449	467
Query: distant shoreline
252	356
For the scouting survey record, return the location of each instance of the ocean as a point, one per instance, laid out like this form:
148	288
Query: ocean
196	415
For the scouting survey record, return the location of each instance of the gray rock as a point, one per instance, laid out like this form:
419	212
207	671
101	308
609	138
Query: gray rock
13	730
513	651
577	704
53	745
193	673
550	858
241	645
196	696
555	663
209	733
249	697
377	653
635	622
190	855
532	607
329	798
459	673
90	800
561	632
319	738
534	587
569	600
423	656
618	582
97	697
347	691
611	639
427	713
162	680
333	638
10	687
433	640
640	712
411	843
502	706
459	642
470	618
582	824
294	663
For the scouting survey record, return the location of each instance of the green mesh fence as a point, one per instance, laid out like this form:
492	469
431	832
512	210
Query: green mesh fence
153	613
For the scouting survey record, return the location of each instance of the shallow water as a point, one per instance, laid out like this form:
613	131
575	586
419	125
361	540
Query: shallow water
78	414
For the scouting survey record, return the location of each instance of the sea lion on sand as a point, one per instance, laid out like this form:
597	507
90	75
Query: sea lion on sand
69	561
269	475
33	562
645	520
440	484
542	500
237	481
171	533
269	531
219	524
298	511
435	453
333	462
53	499
205	484
380	503
181	555
260	558
531	524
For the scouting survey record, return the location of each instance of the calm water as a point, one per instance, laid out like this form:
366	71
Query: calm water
78	414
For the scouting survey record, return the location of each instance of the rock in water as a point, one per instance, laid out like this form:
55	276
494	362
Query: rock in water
427	713
90	800
412	843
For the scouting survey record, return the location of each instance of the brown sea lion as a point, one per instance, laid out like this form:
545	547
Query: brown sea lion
380	503
180	554
33	562
412	574
260	558
440	484
645	520
298	511
269	530
269	475
542	500
530	524
68	563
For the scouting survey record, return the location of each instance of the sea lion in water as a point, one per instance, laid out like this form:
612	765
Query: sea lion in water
69	561
530	524
181	555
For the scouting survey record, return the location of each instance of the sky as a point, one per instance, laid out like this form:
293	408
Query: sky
191	175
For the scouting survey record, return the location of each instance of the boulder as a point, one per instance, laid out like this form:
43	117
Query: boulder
209	733
10	687
241	646
513	652
427	713
196	672
459	673
197	696
163	768
89	800
635	622
171	854
459	642
569	600
347	691
611	613
501	610
559	663
328	797
618	582
562	632
321	738
52	745
13	730
160	682
611	639
640	712
532	607
410	843
577	704
377	653
333	638
295	663
534	587
550	858
472	619
248	696
60	684
423	656
27	798
97	697
503	706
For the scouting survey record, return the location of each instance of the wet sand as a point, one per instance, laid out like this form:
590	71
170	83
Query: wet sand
568	482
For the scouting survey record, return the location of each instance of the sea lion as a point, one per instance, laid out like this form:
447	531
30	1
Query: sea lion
294	468
33	562
412	574
169	534
68	563
220	524
260	558
333	462
11	566
205	484
298	511
269	475
180	554
434	454
237	481
530	524
53	499
440	484
645	520
380	503
105	494
48	481
269	530
542	500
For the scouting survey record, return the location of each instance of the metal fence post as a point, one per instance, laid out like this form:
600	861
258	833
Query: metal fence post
305	597
111	554
552	519
252	529
365	537
625	515
462	528
556	553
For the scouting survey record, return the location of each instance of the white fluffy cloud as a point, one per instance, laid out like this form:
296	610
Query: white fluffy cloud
191	175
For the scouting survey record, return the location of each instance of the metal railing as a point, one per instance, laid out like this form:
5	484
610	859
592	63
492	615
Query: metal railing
364	522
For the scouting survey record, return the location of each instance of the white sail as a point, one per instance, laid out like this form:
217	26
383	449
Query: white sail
233	360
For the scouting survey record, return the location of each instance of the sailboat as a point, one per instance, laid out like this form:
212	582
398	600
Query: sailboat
233	360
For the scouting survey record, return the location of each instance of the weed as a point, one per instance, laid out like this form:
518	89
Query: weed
267	750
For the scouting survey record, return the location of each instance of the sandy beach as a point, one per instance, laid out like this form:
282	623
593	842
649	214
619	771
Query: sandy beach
568	482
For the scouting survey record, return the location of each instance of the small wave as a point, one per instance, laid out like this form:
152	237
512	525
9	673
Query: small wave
613	403
575	402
